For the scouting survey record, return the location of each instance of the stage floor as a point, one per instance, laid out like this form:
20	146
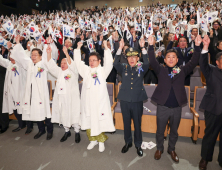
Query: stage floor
22	152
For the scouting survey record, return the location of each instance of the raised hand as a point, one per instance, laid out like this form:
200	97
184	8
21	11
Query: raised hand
121	44
9	44
105	44
172	38
206	42
211	33
198	40
17	38
65	50
79	45
151	40
142	42
49	49
101	37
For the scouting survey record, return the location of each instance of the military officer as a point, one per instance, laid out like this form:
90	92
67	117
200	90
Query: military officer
132	93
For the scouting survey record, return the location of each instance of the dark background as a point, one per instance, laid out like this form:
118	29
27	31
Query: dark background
7	7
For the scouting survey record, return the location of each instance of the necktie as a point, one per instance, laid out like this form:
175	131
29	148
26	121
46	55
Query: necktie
183	52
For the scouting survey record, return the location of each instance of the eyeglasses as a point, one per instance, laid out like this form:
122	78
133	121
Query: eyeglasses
92	61
34	55
216	24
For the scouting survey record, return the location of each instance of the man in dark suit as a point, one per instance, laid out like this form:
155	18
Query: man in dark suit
212	104
170	94
184	54
132	93
68	45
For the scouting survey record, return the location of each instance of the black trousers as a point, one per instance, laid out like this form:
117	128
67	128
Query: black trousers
22	123
213	128
132	110
48	123
163	115
4	117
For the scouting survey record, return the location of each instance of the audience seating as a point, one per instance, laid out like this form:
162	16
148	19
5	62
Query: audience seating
198	96
188	124
195	80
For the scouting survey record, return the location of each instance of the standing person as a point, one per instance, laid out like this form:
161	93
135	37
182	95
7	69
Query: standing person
211	103
36	99
96	117
132	93
184	54
66	99
14	89
170	93
4	117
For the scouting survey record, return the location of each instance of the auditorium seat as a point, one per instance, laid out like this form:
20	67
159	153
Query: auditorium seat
187	124
198	96
195	80
148	119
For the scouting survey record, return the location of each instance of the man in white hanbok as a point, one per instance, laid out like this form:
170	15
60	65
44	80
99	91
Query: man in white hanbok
14	88
66	99
35	105
96	117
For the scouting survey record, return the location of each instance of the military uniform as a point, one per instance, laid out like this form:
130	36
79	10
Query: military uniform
132	94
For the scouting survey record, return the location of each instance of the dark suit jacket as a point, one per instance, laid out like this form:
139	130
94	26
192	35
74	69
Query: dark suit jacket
212	100
182	59
163	88
62	54
132	89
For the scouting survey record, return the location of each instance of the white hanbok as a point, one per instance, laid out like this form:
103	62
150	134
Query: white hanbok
35	105
95	104
66	99
14	86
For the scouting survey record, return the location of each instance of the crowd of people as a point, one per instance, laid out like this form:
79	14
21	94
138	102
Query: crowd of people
155	44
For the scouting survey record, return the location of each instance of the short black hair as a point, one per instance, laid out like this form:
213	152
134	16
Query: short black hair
218	42
181	37
218	56
171	51
127	44
95	54
194	28
38	50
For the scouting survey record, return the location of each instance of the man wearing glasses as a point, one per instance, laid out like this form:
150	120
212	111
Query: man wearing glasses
132	92
36	99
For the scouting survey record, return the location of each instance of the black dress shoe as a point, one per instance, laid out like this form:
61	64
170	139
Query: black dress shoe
3	130
17	129
77	137
38	135
220	163
203	164
29	130
139	151
66	135
49	136
126	147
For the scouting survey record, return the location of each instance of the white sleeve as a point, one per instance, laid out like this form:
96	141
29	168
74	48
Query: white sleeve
73	67
19	55
108	62
4	62
81	67
53	68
